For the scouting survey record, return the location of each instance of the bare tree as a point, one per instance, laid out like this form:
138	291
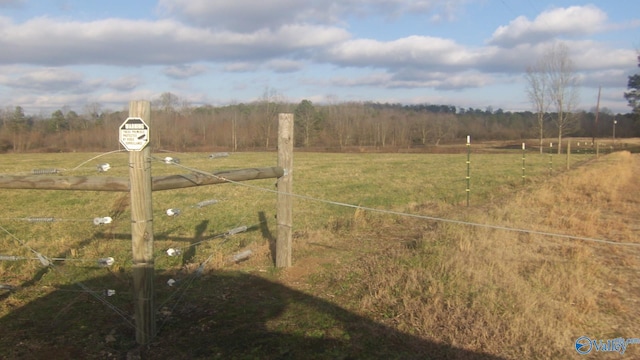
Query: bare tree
537	92
563	87
271	103
553	81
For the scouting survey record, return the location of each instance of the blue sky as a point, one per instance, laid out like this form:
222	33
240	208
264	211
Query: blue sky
467	53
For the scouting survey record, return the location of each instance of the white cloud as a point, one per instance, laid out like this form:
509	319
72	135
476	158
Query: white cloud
558	22
419	51
197	38
251	15
417	79
241	67
125	83
45	79
185	71
51	42
284	65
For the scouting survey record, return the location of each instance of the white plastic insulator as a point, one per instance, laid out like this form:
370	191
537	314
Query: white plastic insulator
173	252
104	262
110	292
102	220
173	212
170	160
171	282
43	260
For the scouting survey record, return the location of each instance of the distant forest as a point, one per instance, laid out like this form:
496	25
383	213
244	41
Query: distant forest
177	126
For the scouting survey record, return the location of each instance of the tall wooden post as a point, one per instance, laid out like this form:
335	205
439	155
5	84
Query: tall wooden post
284	213
142	231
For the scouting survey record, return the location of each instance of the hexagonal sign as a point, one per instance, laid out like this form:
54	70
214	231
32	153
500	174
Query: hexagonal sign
134	134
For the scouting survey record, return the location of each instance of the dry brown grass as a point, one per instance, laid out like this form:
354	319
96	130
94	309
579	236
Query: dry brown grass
512	294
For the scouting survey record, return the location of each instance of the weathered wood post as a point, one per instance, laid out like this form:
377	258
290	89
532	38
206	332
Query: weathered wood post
136	139
284	212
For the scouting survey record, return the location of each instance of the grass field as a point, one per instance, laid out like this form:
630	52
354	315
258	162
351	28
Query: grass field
364	284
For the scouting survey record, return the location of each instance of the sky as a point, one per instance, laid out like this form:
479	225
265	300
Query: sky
72	54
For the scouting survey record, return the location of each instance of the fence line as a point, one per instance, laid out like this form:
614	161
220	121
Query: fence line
417	216
48	263
186	283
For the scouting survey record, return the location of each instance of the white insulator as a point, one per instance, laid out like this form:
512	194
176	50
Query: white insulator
105	262
110	292
43	260
171	282
102	220
173	212
104	167
170	160
173	252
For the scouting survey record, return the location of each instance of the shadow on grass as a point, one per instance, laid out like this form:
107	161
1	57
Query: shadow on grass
224	314
220	315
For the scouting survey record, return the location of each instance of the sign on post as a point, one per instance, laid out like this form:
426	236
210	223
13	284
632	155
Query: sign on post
134	134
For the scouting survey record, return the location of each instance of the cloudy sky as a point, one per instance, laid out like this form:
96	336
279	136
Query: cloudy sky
467	53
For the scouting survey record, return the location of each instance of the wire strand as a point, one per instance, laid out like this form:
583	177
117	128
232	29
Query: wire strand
47	263
416	216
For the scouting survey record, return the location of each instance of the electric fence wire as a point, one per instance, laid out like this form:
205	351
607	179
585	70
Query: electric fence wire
46	219
416	216
50	171
226	234
47	262
186	283
97	156
103	262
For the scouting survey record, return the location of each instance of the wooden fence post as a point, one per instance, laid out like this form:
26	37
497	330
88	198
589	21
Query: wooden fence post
142	231
284	212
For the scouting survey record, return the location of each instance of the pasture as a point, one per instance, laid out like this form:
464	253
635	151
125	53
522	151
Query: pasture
364	283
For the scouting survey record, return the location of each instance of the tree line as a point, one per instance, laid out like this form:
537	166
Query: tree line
178	126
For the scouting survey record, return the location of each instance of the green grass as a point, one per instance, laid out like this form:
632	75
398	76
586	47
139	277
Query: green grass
335	309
